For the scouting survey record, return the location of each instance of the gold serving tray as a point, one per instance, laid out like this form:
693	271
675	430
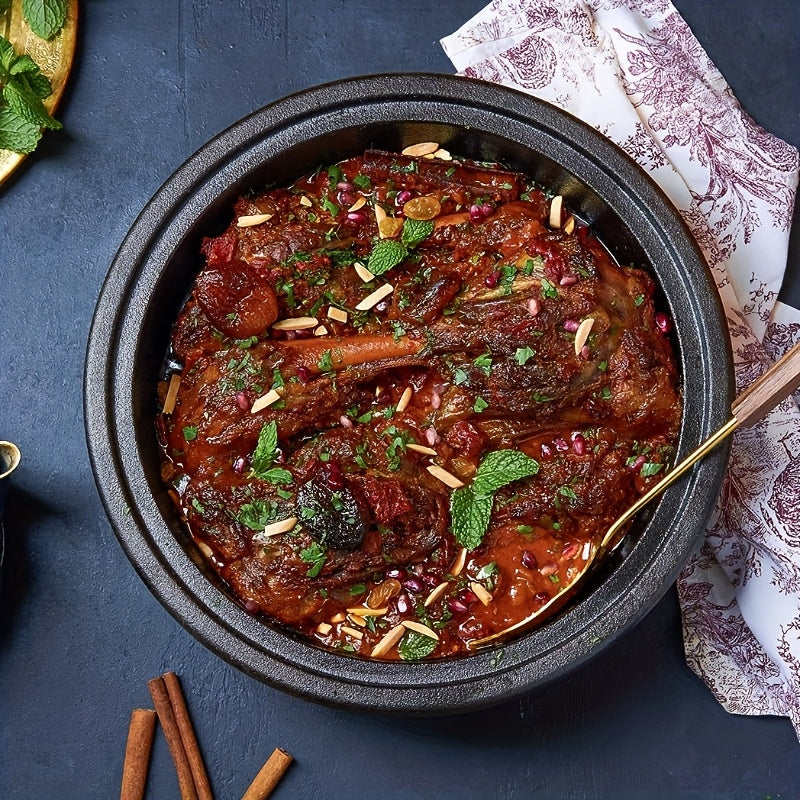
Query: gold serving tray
54	57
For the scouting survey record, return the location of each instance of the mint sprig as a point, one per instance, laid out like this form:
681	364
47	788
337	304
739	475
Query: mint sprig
388	253
45	17
265	454
471	506
22	113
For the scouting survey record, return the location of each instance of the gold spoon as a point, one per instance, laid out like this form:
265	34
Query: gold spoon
776	384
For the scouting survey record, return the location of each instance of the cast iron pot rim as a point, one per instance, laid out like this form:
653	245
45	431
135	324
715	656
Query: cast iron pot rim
293	664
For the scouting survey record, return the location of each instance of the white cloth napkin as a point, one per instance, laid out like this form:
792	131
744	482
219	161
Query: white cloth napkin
633	69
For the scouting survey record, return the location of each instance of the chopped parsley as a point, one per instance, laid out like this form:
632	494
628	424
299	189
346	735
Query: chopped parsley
315	557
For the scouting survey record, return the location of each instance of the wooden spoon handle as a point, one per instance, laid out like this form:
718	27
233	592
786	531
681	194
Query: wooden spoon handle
777	383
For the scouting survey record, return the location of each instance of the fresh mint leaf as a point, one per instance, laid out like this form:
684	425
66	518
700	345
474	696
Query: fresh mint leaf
315	556
415	231
25	103
414	646
22	64
17	134
277	475
266	450
386	254
650	468
45	17
501	467
471	506
470	514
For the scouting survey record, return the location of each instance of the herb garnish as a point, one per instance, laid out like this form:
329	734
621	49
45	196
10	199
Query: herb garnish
414	646
388	253
315	556
22	113
471	506
265	454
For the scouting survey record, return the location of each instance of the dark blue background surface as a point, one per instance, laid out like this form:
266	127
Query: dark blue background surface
80	634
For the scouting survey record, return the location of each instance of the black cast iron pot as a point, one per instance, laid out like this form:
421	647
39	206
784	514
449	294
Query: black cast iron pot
154	269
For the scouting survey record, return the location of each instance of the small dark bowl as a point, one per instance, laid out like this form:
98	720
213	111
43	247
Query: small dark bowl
154	269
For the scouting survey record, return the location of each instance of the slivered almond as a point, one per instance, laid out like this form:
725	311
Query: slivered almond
248	220
480	592
172	393
279	527
295	323
437	593
336	618
569	225
265	401
429	156
321	331
337	314
587	551
388	641
363	272
365	611
304	201
324	628
582	334
356	634
444	476
380	216
443	155
357	621
555	211
378	390
205	549
375	297
420	628
460	561
420	149
405	399
360	203
421	448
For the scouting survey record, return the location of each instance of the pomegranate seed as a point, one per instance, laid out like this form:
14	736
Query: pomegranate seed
541	597
240	465
303	374
529	560
356	216
568	280
579	444
638	463
403	604
663	323
487	209
549	569
468	597
251	606
571	325
414	584
346	199
492	279
546	451
534	306
344	186
402	197
585	352
476	213
345	421
243	401
456	606
570	550
561	445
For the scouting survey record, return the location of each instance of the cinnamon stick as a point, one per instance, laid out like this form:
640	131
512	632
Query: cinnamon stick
188	737
141	731
268	777
166	716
